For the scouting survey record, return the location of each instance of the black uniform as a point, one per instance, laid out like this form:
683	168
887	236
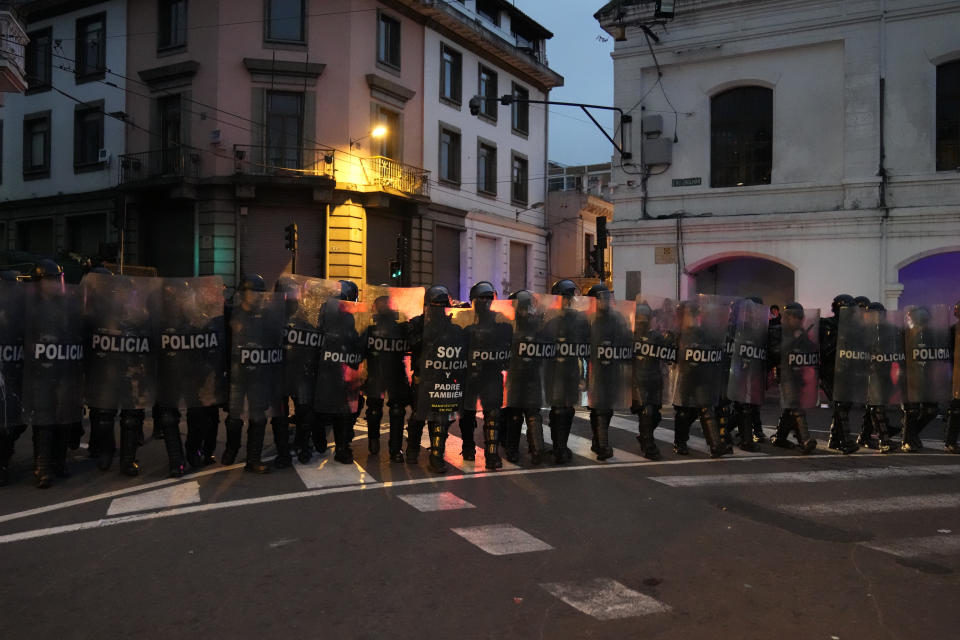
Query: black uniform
746	385
12	317
337	397
610	368
565	374
953	413
928	367
529	351
840	425
655	354
796	354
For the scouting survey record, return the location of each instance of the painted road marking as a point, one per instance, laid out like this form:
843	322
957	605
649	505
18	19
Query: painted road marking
501	539
760	479
875	505
581	447
441	501
605	599
942	545
185	493
695	443
328	473
455	445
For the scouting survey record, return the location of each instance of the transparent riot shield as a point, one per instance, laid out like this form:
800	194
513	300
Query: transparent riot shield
529	350
929	361
747	382
654	348
855	339
610	367
339	372
442	368
302	338
697	377
53	354
799	358
956	361
120	315
256	351
192	351
383	333
12	308
885	383
567	326
489	335
731	304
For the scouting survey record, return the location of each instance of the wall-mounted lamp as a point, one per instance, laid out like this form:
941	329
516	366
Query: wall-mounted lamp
378	132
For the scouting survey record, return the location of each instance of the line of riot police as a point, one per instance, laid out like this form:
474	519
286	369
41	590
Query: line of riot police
121	345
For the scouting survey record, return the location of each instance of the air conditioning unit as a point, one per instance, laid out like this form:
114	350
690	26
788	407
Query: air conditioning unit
103	155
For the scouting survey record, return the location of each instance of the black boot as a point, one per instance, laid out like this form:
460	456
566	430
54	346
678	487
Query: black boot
711	433
414	435
304	418
754	417
234	437
807	444
724	423
157	433
744	428
395	443
784	425
131	425
557	428
594	445
43	455
468	424
193	445
683	417
953	429
281	440
374	418
648	446
839	430
61	436
604	450
102	430
6	452
75	434
491	443
512	426
865	439
342	432
318	432
211	432
256	431
169	420
437	435
535	437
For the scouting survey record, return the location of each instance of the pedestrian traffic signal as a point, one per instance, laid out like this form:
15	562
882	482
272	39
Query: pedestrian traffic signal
396	270
291	237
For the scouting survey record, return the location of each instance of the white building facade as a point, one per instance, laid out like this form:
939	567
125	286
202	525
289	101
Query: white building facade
793	150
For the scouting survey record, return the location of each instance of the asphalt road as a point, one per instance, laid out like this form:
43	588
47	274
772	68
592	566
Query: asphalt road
751	546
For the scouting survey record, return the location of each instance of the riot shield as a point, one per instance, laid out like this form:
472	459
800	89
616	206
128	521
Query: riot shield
956	361
855	339
303	299
53	354
929	362
885	383
611	354
12	301
443	366
489	335
192	352
256	351
119	315
567	326
383	333
529	350
697	378
799	359
748	361
339	375
730	337
654	348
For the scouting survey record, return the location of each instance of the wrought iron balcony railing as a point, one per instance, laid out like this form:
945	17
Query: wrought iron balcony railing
175	162
13	42
289	162
385	172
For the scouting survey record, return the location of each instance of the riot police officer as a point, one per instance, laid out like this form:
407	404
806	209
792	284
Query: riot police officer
655	353
927	352
525	378
829	327
12	319
747	381
796	356
953	412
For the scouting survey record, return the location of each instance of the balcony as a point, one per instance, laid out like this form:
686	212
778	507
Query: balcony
390	174
286	162
13	44
172	164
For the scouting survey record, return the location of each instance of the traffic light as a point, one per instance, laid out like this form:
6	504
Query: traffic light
400	258
291	237
396	270
599	250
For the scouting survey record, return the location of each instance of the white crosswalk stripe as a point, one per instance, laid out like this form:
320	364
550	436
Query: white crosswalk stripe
605	599
175	496
941	545
328	473
502	539
892	504
440	501
451	455
581	447
761	479
694	443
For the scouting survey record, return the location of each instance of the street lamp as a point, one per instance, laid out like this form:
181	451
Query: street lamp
378	132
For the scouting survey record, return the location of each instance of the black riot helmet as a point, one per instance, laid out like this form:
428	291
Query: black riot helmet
598	291
862	301
46	268
9	276
483	289
917	317
437	296
793	314
755	299
841	301
876	306
349	291
564	287
252	282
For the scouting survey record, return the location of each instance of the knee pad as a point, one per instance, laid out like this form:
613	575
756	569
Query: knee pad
397	411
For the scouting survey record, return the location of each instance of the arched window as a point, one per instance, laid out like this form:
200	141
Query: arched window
741	133
948	116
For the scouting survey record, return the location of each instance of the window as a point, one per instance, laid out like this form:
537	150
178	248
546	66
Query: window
170	119
36	146
490	10
388	41
390	145
518	179
449	154
520	111
948	116
741	132
87	137
38	60
172	24
284	127
91	57
285	20
3	244
486	168
487	88
451	65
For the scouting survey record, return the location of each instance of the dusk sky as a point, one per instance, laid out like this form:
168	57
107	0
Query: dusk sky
583	59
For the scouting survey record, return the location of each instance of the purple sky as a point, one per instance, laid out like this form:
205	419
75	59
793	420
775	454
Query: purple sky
576	53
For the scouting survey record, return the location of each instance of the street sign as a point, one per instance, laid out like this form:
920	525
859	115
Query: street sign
686	182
